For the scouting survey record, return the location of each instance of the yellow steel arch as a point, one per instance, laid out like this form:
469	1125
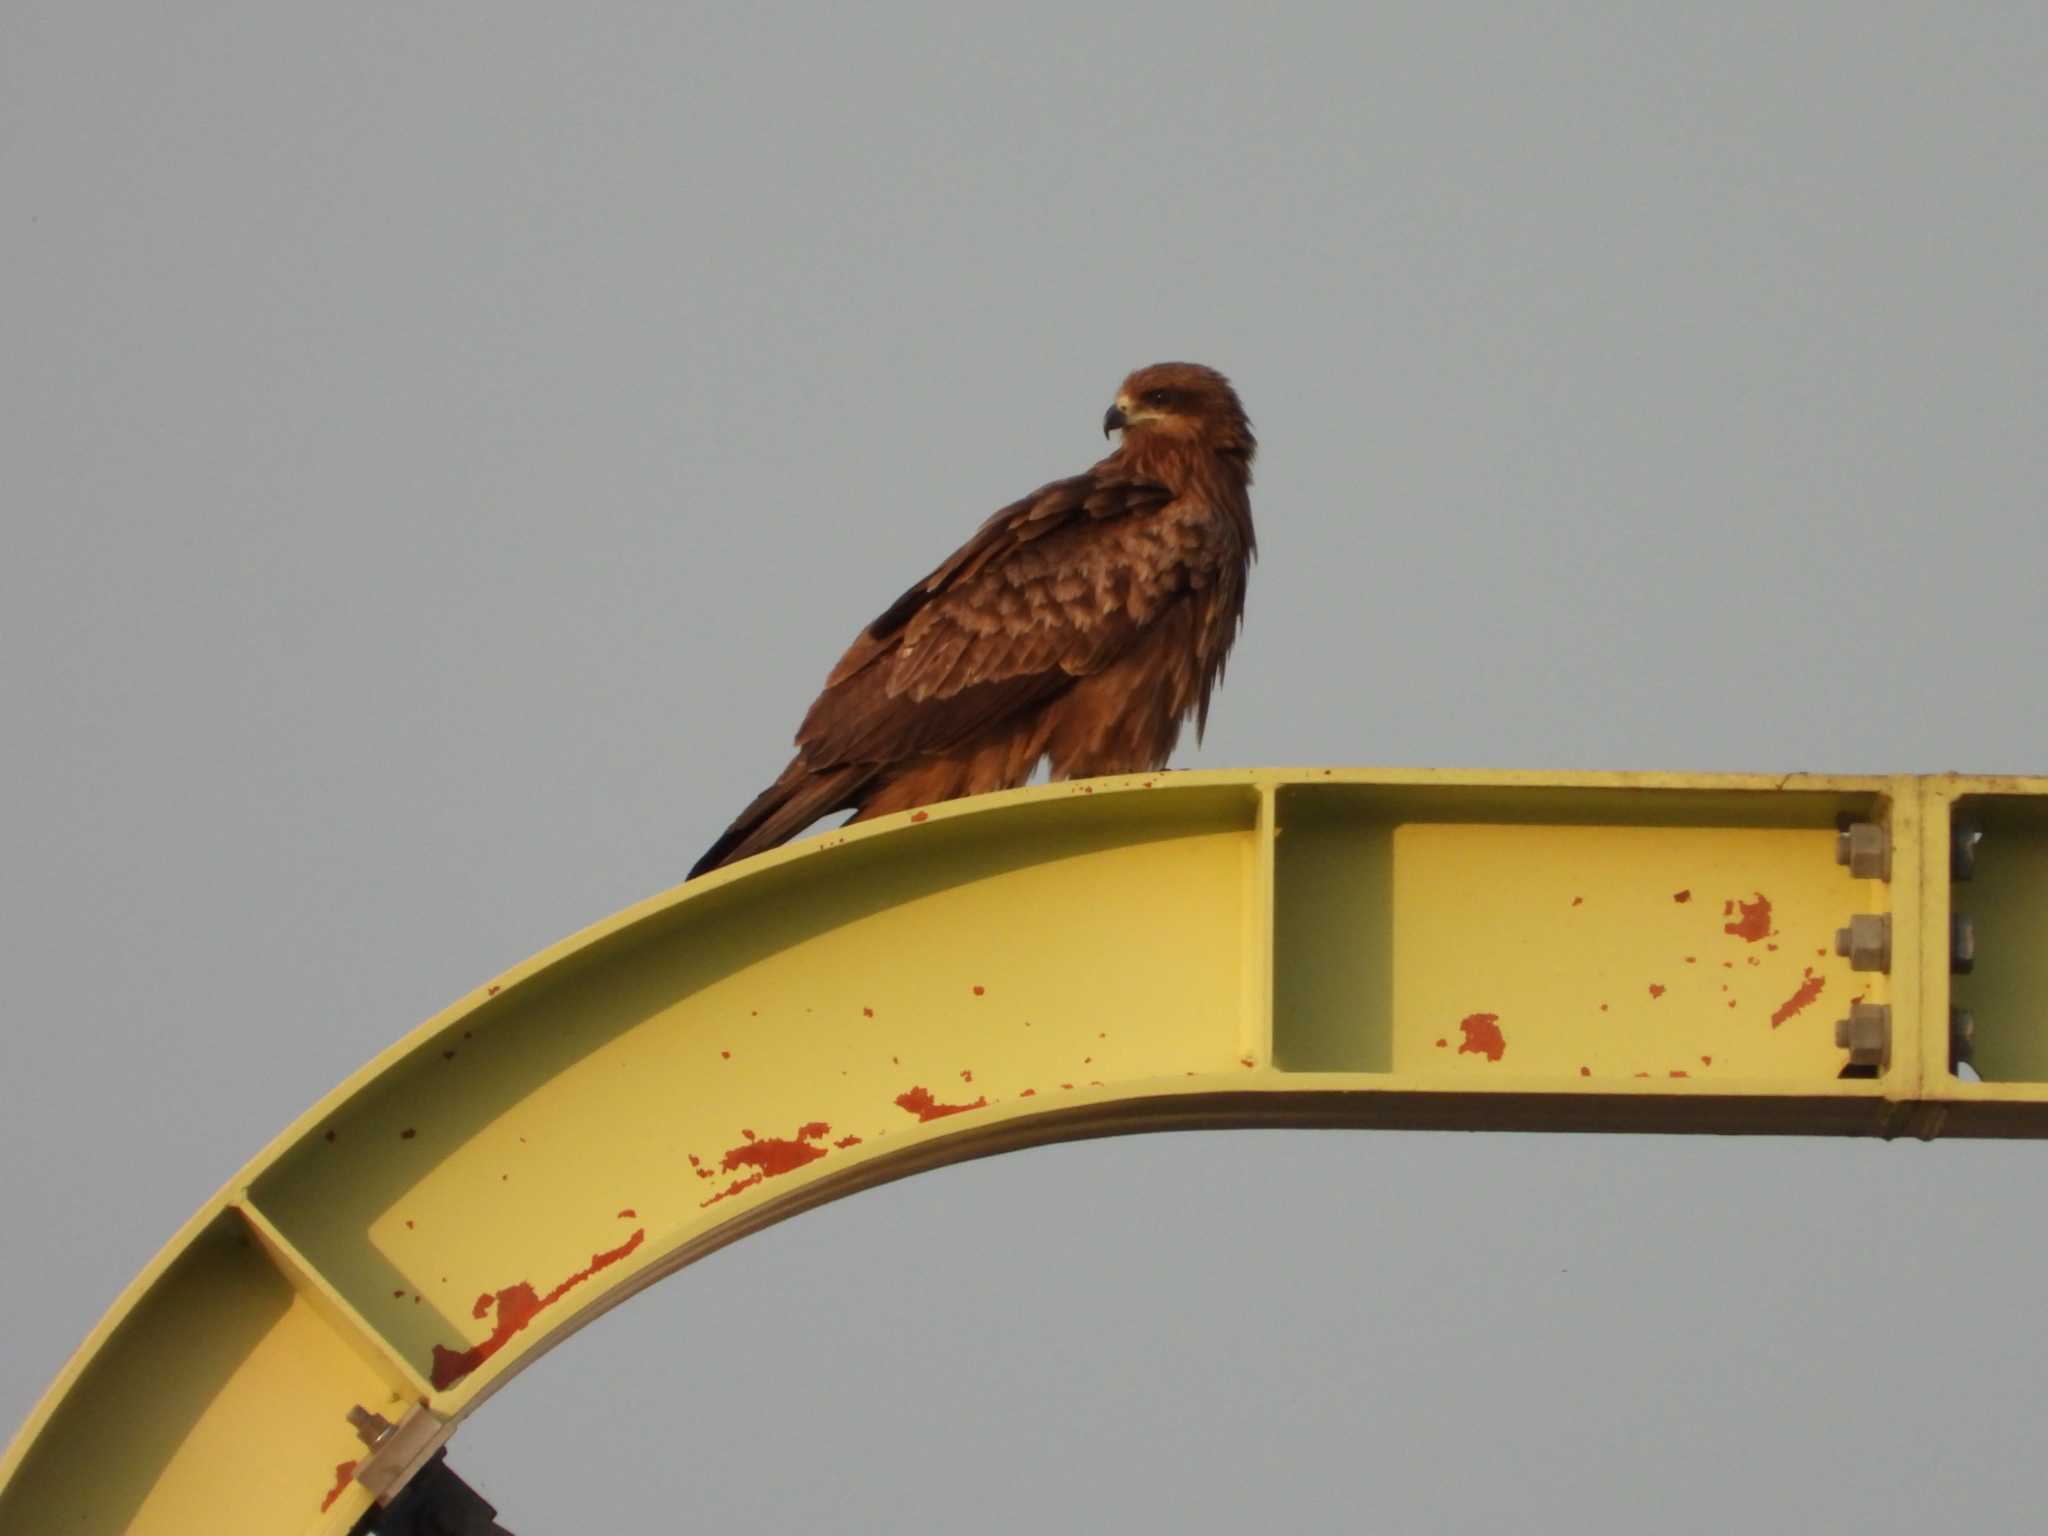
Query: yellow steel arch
1309	947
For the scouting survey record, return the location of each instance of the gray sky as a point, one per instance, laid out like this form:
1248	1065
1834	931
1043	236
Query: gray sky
444	449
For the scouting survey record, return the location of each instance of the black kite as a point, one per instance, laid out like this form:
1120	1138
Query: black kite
1081	625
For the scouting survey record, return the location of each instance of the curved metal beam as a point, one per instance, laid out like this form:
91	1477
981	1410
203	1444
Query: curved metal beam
1310	947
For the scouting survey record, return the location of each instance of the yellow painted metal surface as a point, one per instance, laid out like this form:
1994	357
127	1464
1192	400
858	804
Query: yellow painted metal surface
1311	947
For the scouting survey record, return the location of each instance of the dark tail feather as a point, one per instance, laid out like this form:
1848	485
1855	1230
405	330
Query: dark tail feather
795	800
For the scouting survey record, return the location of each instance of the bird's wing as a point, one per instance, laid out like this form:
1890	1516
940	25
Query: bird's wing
1051	588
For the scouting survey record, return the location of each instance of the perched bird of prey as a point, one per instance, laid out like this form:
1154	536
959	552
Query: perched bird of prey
1081	625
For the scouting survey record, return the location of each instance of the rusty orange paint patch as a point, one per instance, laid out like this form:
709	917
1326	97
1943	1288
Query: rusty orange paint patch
1809	989
921	816
1441	1042
867	1013
1680	1072
518	1305
1585	1071
1706	1061
921	1103
1755	922
1681	897
1578	901
343	1472
847	1141
967	1074
770	1157
628	1214
1656	989
979	989
1482	1036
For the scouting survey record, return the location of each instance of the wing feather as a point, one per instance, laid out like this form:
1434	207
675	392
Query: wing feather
1049	589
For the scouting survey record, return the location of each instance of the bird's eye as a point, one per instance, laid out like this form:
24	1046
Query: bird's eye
1157	399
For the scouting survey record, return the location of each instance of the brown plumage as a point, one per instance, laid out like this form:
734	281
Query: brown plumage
1081	625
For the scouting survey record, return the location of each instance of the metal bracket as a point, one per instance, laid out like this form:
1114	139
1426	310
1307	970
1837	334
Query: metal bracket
398	1451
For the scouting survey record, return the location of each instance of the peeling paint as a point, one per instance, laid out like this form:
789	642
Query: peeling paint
1755	922
344	1473
770	1157
1809	989
517	1305
1482	1036
921	1103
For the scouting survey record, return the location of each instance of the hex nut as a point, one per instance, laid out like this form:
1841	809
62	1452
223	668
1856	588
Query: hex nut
1865	1034
1962	944
1963	837
1865	848
1867	941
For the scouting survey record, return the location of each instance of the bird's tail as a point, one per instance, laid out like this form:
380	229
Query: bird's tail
796	799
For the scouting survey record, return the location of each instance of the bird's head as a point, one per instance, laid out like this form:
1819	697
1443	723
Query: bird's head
1183	404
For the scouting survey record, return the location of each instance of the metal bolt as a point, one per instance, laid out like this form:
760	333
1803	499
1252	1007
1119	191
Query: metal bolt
1867	941
1865	849
1962	943
1963	837
1866	1034
371	1428
1962	1035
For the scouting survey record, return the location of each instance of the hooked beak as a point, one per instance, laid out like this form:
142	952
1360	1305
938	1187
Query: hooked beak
1114	420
